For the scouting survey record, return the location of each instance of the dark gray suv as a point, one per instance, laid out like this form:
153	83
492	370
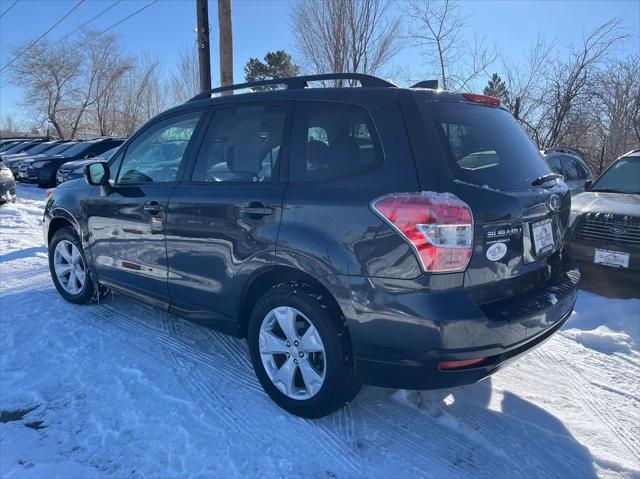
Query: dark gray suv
397	237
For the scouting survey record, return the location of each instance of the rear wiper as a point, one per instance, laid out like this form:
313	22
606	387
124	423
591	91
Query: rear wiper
607	190
541	180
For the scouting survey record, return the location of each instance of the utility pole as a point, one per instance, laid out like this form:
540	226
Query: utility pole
226	43
204	55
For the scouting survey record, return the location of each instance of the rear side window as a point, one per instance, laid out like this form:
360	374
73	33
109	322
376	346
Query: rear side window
486	146
331	141
242	144
572	171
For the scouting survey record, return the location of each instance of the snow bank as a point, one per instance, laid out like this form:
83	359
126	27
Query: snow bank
611	326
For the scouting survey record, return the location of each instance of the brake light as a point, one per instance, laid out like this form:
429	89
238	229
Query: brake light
484	99
439	227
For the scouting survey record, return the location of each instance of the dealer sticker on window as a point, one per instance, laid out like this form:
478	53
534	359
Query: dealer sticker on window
607	257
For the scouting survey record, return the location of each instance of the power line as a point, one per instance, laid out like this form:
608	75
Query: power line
85	23
8	8
123	20
43	35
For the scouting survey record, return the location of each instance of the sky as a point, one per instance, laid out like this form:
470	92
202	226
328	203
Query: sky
259	26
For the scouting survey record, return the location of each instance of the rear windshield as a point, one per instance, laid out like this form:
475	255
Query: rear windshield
623	176
486	146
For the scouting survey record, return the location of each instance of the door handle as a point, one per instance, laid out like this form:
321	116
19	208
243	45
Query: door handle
153	206
255	208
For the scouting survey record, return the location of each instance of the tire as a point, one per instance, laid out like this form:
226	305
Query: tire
340	382
82	292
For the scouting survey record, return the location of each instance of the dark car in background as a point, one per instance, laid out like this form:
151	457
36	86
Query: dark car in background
42	147
605	222
7	185
14	161
574	170
397	237
75	169
20	147
43	170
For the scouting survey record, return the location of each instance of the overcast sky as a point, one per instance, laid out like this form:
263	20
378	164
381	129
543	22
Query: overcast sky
260	26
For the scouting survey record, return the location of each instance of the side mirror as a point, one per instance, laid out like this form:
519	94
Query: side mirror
588	184
97	174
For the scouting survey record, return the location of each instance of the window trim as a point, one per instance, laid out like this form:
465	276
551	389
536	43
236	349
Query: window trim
295	142
124	147
285	148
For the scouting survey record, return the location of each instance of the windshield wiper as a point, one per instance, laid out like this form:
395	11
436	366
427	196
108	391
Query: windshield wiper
541	180
607	190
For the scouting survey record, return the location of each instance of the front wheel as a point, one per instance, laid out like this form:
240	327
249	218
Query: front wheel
69	268
300	352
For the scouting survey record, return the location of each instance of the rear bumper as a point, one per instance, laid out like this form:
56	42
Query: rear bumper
400	334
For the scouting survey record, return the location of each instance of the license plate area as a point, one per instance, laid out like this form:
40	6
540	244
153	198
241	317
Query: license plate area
615	259
543	236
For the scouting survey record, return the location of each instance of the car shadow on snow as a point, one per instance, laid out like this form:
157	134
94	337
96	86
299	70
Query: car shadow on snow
483	431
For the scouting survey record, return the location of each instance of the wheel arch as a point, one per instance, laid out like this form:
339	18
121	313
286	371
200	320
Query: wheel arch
265	279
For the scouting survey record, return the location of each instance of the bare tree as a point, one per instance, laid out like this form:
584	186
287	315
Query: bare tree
336	36
184	80
48	76
440	28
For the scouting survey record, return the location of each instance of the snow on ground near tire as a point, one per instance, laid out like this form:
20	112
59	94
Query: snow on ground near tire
123	390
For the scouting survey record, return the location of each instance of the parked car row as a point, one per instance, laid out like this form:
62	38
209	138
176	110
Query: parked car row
39	161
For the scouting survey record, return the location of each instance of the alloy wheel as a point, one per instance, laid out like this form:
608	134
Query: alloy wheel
69	267
292	353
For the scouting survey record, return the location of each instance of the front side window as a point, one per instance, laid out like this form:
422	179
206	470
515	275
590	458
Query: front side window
555	165
332	141
242	144
155	155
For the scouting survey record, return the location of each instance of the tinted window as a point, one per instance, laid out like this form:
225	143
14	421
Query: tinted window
623	176
333	140
155	155
77	149
486	146
555	165
60	148
242	144
41	147
571	169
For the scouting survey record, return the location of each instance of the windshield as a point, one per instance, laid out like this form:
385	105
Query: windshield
60	148
623	176
486	146
77	149
41	147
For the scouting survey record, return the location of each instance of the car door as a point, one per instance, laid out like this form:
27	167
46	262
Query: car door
126	222
223	219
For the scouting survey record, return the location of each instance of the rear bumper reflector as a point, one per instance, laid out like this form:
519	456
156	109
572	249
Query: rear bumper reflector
465	363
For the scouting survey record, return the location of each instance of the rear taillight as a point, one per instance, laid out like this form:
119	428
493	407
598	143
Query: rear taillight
484	99
439	226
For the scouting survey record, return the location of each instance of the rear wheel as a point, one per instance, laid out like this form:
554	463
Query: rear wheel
69	268
300	353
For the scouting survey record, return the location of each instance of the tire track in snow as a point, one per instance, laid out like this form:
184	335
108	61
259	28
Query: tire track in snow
600	409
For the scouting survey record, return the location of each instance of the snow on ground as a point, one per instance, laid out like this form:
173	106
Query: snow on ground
121	390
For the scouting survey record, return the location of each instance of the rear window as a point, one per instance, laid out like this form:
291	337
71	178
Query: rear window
486	146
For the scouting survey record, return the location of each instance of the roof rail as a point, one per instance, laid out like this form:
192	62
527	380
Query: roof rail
431	84
298	83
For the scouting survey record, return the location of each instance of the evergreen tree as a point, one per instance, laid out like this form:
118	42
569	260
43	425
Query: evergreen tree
497	88
276	64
